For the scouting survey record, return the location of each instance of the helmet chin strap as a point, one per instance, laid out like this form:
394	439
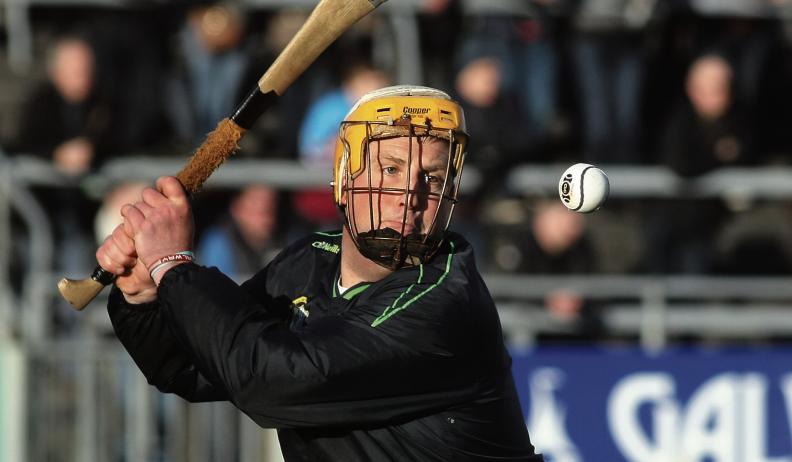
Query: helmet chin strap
392	250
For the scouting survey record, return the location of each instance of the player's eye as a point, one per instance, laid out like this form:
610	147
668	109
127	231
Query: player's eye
433	180
390	170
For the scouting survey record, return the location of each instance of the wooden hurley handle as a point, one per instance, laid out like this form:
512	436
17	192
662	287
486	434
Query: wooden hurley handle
326	23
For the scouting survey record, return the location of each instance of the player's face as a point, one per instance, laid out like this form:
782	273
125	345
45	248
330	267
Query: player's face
406	177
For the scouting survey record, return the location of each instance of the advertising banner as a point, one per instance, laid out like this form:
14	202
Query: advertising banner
681	405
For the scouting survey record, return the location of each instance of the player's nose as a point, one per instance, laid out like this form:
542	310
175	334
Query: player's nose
415	197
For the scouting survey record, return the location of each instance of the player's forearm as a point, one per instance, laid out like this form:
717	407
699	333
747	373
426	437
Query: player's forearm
191	385
152	345
207	312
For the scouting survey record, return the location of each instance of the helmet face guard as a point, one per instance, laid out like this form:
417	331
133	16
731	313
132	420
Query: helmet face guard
361	188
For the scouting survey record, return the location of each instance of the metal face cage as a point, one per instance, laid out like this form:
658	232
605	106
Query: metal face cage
388	247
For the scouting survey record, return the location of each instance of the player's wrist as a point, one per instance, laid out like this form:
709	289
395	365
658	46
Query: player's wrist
159	268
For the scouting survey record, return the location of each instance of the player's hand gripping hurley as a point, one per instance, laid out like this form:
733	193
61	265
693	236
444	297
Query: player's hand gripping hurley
326	23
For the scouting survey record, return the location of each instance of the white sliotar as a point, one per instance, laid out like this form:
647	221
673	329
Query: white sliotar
583	188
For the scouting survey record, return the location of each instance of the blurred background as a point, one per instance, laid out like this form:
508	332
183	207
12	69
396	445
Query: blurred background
656	329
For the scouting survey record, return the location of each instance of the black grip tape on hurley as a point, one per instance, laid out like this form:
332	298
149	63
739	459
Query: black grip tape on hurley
103	277
253	106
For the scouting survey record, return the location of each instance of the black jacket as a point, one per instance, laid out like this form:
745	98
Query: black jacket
411	367
48	120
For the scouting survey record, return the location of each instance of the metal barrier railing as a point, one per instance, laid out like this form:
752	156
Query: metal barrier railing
15	195
652	308
86	401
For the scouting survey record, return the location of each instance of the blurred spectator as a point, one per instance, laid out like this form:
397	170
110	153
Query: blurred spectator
748	30
318	134
521	36
133	60
497	128
68	121
555	244
438	25
245	238
608	61
208	80
319	129
275	133
709	130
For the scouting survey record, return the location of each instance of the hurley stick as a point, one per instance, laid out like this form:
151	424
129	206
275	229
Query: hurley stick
326	23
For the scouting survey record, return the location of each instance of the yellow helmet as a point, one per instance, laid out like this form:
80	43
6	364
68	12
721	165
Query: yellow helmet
399	111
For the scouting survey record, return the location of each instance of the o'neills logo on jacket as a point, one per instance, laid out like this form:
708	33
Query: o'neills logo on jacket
415	110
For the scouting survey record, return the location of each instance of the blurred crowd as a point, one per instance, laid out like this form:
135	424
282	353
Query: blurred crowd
690	85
